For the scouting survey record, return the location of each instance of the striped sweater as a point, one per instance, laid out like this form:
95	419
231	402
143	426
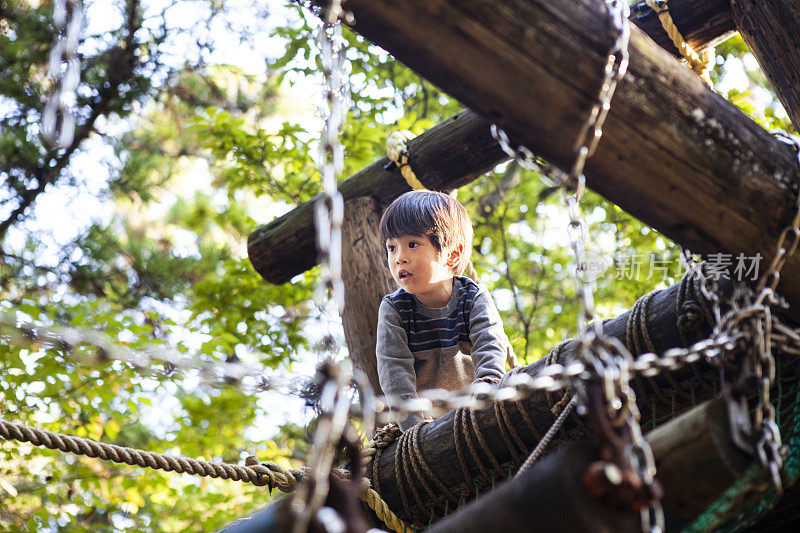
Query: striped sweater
420	348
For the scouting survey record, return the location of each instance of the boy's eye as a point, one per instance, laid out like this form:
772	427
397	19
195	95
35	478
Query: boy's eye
391	247
413	244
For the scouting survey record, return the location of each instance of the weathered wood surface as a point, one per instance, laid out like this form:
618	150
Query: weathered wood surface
771	28
674	154
366	279
697	443
548	498
552	494
453	153
660	399
701	22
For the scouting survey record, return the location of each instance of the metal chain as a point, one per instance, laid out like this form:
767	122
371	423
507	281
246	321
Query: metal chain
328	215
790	236
608	361
247	377
329	207
750	360
755	316
64	71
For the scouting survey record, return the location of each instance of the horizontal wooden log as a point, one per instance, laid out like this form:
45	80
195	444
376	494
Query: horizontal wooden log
674	154
660	399
702	23
697	443
552	494
449	155
452	153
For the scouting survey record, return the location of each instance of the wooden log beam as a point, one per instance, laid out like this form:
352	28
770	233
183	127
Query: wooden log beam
702	23
366	280
660	399
451	154
552	494
771	28
697	442
674	154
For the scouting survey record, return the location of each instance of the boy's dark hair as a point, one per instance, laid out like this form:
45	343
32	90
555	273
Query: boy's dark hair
438	216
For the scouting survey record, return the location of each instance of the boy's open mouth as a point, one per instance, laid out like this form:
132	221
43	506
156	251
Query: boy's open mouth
404	274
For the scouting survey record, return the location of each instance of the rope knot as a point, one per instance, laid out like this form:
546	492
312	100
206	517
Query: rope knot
397	152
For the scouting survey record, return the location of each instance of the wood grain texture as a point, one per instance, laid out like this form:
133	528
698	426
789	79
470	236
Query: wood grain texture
367	279
696	444
771	29
674	154
548	498
450	155
660	399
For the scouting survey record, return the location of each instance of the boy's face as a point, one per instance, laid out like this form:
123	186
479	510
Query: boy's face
420	269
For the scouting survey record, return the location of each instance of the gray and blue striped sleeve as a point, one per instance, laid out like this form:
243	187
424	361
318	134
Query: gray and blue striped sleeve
395	360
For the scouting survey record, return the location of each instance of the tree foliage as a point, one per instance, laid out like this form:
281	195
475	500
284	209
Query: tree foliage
196	152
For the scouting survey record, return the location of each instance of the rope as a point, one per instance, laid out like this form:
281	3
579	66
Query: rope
700	63
540	447
381	508
398	468
557	407
383	437
485	445
397	151
468	434
457	422
423	464
508	431
269	474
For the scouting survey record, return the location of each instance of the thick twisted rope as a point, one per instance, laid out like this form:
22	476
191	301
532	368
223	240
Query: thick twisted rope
397	151
258	473
381	508
701	63
269	474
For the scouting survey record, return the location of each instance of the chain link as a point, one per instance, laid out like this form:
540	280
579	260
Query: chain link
329	208
790	235
329	216
749	362
248	378
604	360
64	71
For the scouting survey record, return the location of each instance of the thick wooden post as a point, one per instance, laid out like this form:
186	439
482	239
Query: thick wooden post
771	28
366	281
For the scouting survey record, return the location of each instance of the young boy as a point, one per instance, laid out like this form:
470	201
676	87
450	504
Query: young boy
439	330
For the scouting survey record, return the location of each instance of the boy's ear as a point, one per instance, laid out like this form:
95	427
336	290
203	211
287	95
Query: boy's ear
455	255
